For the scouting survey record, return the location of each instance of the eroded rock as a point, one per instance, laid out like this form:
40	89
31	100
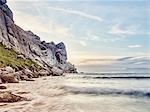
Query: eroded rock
28	73
6	70
56	71
28	44
8	97
3	87
21	56
9	78
3	2
24	77
9	69
6	9
44	73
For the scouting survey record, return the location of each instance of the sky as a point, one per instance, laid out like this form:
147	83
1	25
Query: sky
98	34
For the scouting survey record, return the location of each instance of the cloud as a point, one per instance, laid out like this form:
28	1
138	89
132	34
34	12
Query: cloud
97	37
136	62
118	64
98	61
125	58
117	30
94	60
134	46
79	13
83	43
38	25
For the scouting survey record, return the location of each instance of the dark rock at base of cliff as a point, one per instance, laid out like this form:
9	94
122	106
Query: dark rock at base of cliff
56	71
3	87
8	97
6	70
9	78
44	72
25	74
28	73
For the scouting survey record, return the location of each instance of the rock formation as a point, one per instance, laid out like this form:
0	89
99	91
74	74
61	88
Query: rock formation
49	56
9	78
8	97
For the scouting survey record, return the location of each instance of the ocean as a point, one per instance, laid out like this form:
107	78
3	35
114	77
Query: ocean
109	92
85	92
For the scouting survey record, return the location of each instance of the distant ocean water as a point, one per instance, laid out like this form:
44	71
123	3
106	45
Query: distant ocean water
110	92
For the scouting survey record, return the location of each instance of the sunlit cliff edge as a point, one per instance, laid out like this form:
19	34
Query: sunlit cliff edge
28	46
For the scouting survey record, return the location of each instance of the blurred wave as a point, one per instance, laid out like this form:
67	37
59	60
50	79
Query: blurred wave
107	91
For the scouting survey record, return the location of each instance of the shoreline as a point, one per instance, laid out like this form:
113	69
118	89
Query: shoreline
73	93
38	93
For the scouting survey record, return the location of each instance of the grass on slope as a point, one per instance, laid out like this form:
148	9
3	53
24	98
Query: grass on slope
8	57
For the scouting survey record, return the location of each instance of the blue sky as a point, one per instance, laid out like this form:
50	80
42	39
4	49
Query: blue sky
101	31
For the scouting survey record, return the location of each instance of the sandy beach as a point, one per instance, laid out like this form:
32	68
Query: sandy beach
74	56
46	95
79	93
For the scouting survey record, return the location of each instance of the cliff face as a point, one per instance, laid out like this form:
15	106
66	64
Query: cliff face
48	55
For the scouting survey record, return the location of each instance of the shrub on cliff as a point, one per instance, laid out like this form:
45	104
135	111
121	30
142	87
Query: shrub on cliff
9	57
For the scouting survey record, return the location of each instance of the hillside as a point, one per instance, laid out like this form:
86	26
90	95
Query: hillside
9	57
46	55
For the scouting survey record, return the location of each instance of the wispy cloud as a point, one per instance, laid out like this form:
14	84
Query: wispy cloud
100	37
96	61
83	43
137	61
37	24
134	46
118	30
130	64
125	58
79	13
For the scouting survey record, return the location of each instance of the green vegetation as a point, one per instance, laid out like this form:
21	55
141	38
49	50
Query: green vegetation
9	57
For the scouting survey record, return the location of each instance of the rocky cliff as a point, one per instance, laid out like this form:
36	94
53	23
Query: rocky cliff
50	56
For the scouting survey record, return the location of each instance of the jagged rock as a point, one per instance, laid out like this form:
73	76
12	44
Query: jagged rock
28	73
26	78
18	75
6	9
22	92
61	54
30	79
3	87
8	97
24	75
71	68
9	78
21	56
35	74
44	73
56	71
45	54
9	69
3	2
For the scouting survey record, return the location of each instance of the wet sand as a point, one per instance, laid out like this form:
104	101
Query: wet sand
78	93
46	95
